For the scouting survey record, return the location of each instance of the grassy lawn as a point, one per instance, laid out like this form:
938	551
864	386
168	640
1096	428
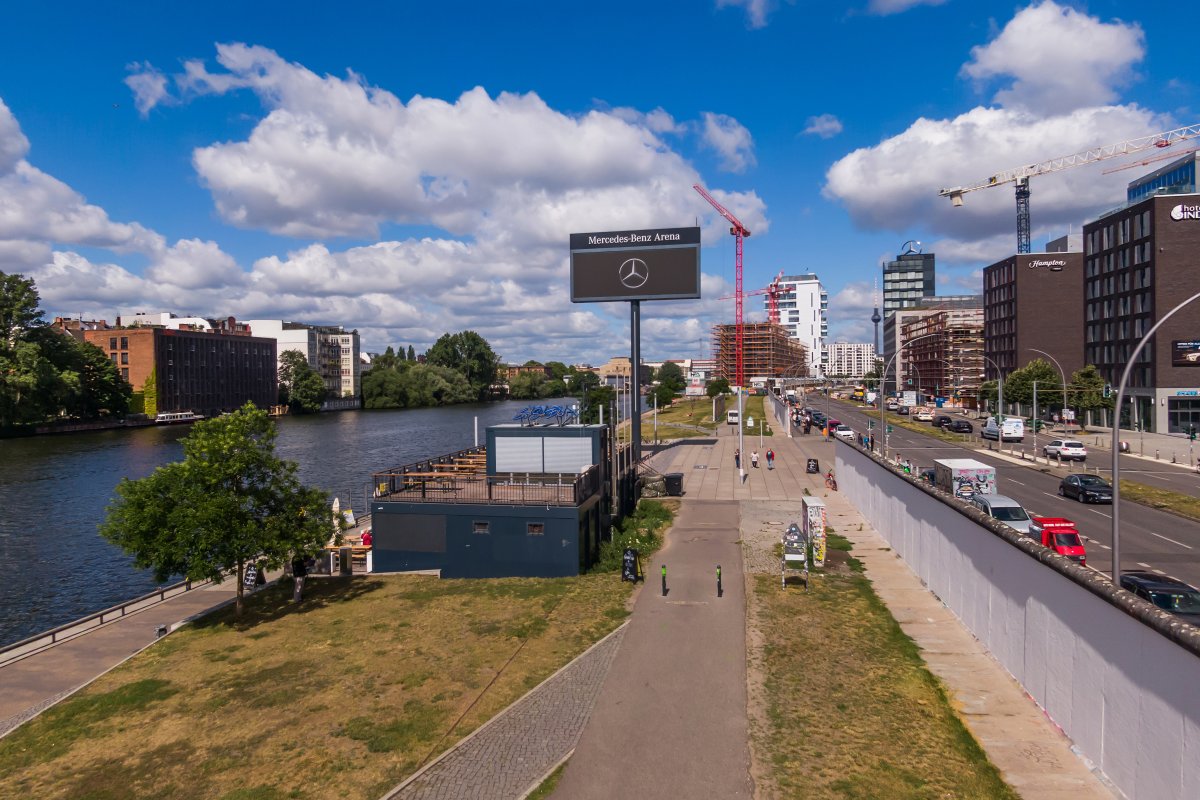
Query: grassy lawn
752	409
850	709
342	697
1185	505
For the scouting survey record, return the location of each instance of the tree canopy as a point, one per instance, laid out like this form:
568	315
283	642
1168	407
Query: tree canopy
670	375
718	386
469	353
301	388
229	502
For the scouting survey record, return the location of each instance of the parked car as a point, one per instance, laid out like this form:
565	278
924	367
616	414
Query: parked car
832	423
960	426
941	421
1169	594
1066	449
1003	508
843	431
1086	488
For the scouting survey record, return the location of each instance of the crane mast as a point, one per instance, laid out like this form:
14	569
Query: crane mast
1021	175
739	232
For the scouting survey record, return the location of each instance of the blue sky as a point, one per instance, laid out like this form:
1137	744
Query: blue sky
411	169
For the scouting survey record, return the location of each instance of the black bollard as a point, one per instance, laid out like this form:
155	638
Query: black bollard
720	591
664	579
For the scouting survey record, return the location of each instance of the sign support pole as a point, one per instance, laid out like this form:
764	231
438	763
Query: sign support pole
635	399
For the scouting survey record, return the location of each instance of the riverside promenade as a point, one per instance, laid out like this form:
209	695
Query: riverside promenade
660	708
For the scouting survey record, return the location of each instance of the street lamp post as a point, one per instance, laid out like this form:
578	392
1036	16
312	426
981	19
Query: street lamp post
883	380
1060	372
1116	430
999	397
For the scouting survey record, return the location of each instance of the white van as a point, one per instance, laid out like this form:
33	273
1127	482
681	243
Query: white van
1013	431
731	417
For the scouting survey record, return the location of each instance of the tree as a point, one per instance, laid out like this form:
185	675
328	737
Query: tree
412	354
19	312
662	395
1018	384
671	376
718	386
468	353
580	381
1087	390
529	386
230	501
593	400
558	370
301	388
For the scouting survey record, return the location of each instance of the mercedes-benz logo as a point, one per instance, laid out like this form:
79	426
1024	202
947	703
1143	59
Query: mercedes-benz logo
633	273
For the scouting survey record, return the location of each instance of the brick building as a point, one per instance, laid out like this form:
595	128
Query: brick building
195	371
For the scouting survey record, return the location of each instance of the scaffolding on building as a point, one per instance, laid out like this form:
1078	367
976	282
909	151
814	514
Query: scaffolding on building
767	352
948	362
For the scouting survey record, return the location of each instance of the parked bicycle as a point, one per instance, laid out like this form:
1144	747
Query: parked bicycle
830	481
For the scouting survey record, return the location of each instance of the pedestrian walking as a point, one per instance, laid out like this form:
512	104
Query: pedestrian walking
770	459
737	459
664	579
720	591
754	459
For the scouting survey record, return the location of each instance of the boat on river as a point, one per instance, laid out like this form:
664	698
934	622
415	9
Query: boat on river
177	417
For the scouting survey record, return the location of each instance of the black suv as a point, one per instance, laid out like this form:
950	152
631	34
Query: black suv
960	426
1169	594
940	421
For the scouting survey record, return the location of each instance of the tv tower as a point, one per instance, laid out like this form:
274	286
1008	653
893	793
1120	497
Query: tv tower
875	318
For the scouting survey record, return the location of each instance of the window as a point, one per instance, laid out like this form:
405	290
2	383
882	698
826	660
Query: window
481	527
114	357
124	358
535	528
125	374
124	342
112	343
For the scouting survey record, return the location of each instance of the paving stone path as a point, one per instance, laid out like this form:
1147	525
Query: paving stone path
511	753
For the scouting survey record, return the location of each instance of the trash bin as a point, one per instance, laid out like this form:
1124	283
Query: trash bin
674	482
346	567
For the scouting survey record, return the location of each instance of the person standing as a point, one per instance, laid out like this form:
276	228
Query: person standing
754	459
737	459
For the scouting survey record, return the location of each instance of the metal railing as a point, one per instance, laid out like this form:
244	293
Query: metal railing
505	488
30	645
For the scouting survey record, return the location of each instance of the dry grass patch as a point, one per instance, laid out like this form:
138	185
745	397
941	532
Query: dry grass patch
342	697
849	709
1185	505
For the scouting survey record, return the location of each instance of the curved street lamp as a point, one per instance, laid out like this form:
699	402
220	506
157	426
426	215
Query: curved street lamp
1116	430
999	397
1061	372
883	381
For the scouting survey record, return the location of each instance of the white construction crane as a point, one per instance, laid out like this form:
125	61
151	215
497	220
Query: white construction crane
1021	175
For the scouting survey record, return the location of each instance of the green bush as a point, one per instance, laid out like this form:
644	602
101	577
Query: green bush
639	530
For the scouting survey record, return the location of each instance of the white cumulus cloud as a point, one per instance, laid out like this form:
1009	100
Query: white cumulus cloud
730	139
756	10
149	86
885	7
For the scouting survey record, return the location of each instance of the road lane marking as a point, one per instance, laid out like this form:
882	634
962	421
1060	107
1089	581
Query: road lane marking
1144	565
1158	571
1101	513
1167	539
1018	483
1106	547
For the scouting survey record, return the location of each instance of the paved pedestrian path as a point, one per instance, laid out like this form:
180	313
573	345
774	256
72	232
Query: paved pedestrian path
670	721
516	749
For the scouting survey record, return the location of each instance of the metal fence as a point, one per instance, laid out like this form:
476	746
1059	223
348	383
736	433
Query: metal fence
506	488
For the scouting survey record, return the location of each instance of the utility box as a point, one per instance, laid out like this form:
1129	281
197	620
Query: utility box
964	477
674	483
814	528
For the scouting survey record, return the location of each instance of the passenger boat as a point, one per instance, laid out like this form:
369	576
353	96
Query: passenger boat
177	417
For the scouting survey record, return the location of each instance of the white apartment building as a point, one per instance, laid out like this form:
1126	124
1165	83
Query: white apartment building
804	313
851	359
332	351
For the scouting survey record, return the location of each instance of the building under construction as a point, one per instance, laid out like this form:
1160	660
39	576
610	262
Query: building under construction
945	358
767	352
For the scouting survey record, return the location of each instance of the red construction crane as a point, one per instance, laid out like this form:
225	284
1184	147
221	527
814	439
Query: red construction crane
740	232
772	290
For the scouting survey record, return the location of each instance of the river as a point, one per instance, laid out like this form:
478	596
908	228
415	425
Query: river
55	568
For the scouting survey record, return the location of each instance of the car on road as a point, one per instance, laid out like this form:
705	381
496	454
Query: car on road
843	431
1004	509
1169	594
924	415
1065	449
960	426
903	411
941	421
1086	488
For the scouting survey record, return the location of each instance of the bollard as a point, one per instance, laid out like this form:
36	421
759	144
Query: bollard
1156	454
720	592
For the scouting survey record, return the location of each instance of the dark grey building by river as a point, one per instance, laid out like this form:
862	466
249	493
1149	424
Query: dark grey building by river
534	503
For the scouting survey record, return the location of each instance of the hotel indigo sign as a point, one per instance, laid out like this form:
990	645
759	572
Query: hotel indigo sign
657	264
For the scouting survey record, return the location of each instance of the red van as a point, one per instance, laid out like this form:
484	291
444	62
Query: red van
1060	535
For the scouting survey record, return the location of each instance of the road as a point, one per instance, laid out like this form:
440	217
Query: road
1150	539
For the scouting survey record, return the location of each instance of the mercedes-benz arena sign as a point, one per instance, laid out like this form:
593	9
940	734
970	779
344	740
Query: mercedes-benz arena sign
659	264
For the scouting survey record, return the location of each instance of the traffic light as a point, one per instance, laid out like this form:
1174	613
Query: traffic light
870	424
889	428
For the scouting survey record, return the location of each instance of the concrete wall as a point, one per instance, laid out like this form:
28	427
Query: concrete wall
1120	677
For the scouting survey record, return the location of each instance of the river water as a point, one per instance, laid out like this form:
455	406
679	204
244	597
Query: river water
55	568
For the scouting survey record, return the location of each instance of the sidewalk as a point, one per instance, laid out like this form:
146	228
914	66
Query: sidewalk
1030	751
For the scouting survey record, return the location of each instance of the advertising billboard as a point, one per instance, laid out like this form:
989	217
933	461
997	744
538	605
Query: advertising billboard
655	264
1185	353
